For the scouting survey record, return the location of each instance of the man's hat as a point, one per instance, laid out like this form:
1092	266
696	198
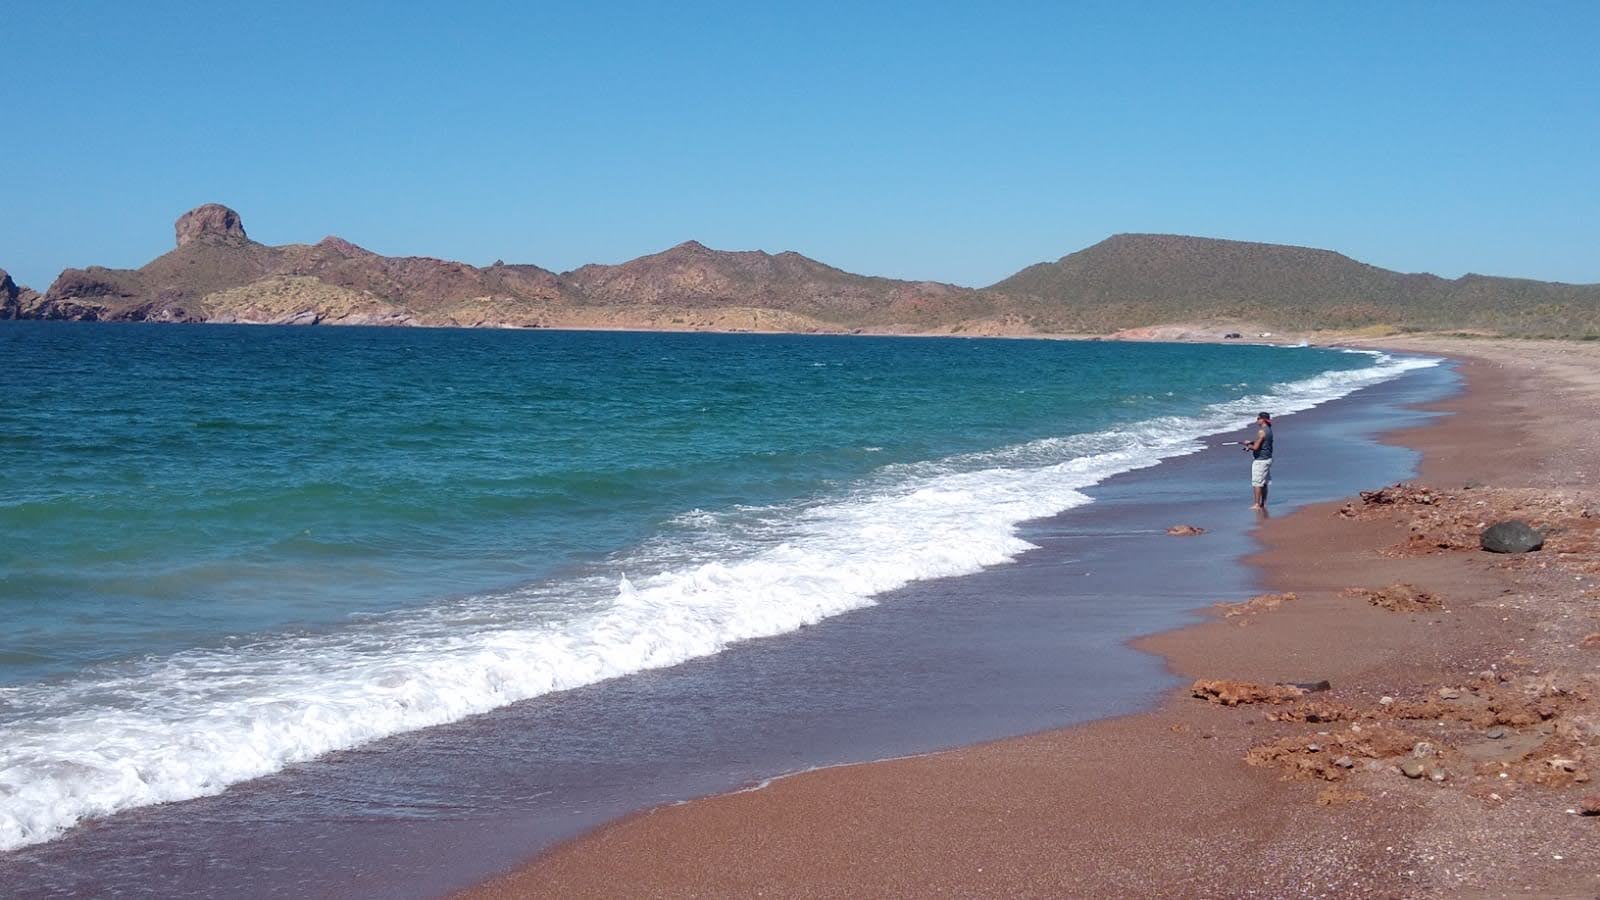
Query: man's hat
1264	415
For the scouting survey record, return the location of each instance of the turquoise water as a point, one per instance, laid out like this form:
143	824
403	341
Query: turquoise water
225	549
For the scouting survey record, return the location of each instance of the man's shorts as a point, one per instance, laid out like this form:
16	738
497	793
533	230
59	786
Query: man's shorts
1260	472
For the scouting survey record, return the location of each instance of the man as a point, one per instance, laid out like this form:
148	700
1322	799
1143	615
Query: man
1260	451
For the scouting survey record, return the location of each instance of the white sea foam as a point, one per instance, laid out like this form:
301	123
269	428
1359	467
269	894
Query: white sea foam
193	723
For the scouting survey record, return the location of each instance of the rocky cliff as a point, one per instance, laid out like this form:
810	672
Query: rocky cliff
16	301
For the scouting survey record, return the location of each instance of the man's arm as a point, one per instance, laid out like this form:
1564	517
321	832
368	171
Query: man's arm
1255	445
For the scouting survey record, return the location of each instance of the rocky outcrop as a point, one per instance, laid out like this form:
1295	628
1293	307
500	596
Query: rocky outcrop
16	301
210	221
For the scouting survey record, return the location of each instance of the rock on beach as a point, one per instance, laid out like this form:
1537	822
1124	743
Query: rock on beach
1511	536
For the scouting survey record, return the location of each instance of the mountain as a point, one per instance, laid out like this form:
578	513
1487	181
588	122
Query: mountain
1132	280
217	273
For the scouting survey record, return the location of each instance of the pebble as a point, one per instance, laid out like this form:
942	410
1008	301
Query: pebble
1437	775
1385	700
1345	762
1421	749
1496	733
1412	768
1449	693
1589	806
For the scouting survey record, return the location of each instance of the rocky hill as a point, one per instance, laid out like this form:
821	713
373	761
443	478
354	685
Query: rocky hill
216	273
691	275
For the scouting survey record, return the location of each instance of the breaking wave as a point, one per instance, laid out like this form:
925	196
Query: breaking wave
192	723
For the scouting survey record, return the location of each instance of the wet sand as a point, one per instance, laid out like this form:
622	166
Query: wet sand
1168	803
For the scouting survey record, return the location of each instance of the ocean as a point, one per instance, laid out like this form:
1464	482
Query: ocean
228	551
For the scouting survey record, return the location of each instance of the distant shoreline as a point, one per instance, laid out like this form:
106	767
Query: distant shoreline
1176	333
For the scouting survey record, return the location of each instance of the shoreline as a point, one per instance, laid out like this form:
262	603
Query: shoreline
1014	816
857	690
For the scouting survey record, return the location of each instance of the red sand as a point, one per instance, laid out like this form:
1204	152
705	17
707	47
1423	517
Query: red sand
1165	803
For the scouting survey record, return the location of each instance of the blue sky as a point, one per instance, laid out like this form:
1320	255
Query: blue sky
957	142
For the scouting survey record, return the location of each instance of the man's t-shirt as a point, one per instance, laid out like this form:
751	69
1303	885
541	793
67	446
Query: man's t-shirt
1265	450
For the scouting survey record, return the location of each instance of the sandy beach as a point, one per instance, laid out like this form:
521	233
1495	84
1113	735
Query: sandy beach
1473	671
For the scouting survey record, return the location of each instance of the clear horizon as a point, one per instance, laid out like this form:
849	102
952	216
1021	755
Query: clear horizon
957	145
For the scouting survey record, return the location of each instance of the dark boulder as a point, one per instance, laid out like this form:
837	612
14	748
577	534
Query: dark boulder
1511	536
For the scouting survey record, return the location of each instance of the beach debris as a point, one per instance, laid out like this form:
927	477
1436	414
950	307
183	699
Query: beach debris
1335	756
1527	703
1335	794
1400	493
1257	604
1511	536
1441	521
1398	597
1240	693
1185	530
1314	711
